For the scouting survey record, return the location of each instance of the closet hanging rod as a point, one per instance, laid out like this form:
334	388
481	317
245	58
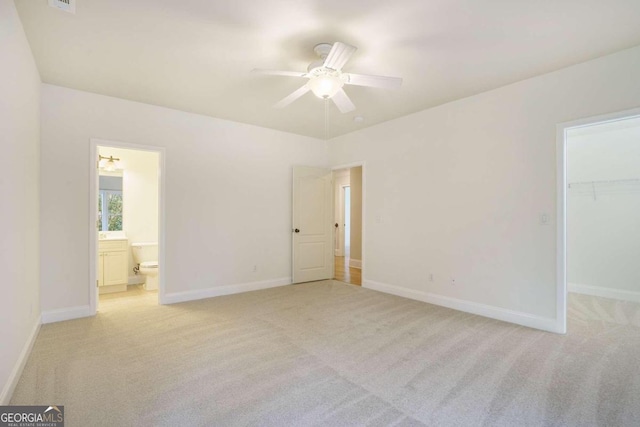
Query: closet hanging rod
610	181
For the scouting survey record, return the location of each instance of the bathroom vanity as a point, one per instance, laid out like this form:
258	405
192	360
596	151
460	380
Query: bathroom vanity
113	262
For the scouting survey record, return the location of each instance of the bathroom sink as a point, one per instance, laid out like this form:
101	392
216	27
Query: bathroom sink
112	235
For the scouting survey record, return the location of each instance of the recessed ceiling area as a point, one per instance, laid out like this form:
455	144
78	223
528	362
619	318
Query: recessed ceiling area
197	55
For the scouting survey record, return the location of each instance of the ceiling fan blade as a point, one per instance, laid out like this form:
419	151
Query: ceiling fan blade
278	72
292	97
339	55
374	81
343	102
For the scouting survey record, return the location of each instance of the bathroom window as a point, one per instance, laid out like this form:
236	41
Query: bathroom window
110	210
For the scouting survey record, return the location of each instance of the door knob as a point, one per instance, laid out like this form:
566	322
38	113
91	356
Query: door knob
296	230
336	225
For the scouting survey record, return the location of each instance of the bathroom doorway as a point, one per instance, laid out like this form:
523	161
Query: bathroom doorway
348	224
126	225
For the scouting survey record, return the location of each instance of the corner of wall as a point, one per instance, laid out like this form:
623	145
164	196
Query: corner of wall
20	120
16	372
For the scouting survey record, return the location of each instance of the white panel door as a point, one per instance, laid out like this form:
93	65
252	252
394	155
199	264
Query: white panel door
312	224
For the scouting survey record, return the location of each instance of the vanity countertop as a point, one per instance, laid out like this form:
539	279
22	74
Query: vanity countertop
111	235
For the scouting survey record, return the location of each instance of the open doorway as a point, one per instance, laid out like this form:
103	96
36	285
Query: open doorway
126	233
346	219
599	215
348	224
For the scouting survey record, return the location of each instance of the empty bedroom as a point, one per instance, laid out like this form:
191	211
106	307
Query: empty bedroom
278	213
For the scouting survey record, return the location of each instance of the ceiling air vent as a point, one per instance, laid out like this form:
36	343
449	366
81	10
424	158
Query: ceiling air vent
66	5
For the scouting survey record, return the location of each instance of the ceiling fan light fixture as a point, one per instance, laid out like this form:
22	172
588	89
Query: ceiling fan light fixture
325	86
326	78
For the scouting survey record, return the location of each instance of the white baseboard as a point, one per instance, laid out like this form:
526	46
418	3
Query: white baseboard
176	297
66	314
355	263
14	377
598	291
511	316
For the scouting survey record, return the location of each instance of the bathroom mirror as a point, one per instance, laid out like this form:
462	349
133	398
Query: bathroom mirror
110	202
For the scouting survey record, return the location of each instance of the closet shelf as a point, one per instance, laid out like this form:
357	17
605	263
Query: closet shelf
611	181
595	188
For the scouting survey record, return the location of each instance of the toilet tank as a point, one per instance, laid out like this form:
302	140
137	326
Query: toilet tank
144	251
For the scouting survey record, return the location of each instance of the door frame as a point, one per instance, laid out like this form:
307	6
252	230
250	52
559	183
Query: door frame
343	218
93	214
364	210
561	215
338	195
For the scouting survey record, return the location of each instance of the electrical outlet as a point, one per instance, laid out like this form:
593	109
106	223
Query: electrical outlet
431	277
453	281
544	219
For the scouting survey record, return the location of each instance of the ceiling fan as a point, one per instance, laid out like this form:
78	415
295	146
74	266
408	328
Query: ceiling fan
326	78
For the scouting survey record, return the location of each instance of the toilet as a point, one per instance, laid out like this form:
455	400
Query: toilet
145	255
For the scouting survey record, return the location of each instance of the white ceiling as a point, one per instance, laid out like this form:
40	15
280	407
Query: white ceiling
196	55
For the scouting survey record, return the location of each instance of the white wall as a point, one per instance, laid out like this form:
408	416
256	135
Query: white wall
228	192
19	163
603	210
139	194
457	190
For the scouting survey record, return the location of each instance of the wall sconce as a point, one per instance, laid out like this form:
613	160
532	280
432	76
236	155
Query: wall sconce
110	164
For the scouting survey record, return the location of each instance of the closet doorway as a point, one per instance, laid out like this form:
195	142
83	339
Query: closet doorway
599	217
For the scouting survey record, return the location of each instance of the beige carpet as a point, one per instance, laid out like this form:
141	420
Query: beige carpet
327	353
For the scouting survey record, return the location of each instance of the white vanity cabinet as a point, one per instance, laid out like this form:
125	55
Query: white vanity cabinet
113	265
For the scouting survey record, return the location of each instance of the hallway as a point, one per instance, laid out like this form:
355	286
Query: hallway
347	274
